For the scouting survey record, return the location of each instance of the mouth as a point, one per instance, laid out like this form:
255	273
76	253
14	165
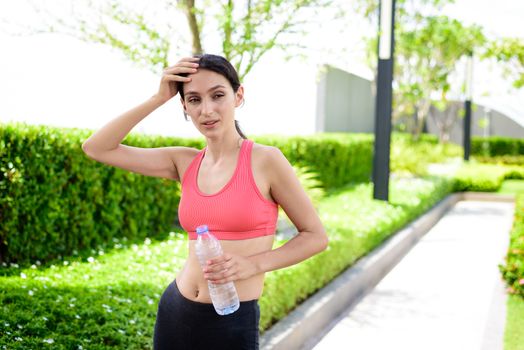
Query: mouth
210	123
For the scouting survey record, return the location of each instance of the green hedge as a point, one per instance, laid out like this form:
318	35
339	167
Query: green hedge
58	201
504	160
513	270
496	146
485	177
337	158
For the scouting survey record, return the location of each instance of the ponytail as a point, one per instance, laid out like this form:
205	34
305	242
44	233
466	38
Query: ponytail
237	126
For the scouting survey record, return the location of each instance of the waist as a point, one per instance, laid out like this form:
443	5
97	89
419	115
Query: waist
194	287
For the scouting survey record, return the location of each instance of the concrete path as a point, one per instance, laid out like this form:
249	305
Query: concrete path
446	293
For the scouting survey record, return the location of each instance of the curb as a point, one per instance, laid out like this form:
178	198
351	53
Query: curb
311	320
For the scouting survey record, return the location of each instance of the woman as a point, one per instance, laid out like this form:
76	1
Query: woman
234	186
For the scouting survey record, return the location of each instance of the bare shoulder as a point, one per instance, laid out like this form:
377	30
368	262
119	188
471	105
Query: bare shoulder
270	160
266	155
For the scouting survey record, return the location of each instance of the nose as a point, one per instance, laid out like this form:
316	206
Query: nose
206	107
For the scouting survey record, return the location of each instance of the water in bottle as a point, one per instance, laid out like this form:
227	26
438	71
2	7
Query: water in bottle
224	296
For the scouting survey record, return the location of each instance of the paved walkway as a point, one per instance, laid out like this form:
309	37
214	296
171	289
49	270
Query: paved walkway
446	293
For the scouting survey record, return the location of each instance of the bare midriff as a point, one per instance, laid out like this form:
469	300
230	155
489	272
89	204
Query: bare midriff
192	285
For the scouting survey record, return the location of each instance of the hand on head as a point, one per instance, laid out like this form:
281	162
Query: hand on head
172	75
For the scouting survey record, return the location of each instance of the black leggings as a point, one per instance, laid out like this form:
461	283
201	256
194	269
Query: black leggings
185	324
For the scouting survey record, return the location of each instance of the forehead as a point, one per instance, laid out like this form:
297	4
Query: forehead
203	80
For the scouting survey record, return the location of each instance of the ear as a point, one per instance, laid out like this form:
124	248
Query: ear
239	96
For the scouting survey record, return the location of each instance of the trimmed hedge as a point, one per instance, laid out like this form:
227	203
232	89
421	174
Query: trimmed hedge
484	177
496	146
513	270
337	158
58	201
504	160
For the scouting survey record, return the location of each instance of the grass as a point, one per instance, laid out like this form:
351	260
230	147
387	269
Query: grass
109	299
512	187
513	273
514	334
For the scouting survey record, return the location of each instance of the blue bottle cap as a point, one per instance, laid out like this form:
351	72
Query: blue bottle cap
201	229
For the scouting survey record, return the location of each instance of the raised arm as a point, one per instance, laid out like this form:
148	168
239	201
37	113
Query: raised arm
105	144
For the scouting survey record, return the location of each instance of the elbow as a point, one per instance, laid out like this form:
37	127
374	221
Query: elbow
323	242
87	150
84	148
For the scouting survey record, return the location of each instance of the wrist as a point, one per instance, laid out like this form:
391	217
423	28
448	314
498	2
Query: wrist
258	262
157	100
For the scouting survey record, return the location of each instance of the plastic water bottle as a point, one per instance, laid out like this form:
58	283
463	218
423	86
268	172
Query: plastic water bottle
224	296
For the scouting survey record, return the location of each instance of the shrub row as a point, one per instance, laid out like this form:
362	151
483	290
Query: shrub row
57	201
484	177
504	160
496	146
513	270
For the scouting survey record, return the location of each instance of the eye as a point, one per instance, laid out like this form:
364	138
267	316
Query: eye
193	100
219	95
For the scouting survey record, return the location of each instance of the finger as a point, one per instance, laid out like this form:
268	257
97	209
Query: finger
188	61
179	70
221	277
219	259
175	78
217	267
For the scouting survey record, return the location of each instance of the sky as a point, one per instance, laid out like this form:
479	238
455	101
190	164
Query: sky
57	80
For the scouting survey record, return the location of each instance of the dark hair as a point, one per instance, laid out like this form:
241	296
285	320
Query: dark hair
222	66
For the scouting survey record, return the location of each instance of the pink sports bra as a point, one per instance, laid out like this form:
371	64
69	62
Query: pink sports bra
237	211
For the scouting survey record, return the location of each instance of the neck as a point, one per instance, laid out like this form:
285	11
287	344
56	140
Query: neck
224	147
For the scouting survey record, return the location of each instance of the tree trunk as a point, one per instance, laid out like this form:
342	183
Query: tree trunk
422	113
189	7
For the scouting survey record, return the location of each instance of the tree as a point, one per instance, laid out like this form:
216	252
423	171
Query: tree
425	61
146	35
427	51
509	51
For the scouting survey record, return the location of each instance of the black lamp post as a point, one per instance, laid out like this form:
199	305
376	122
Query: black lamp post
467	106
383	101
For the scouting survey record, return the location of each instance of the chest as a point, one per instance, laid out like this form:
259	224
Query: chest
212	179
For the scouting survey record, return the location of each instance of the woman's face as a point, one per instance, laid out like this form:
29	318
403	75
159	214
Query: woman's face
210	101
